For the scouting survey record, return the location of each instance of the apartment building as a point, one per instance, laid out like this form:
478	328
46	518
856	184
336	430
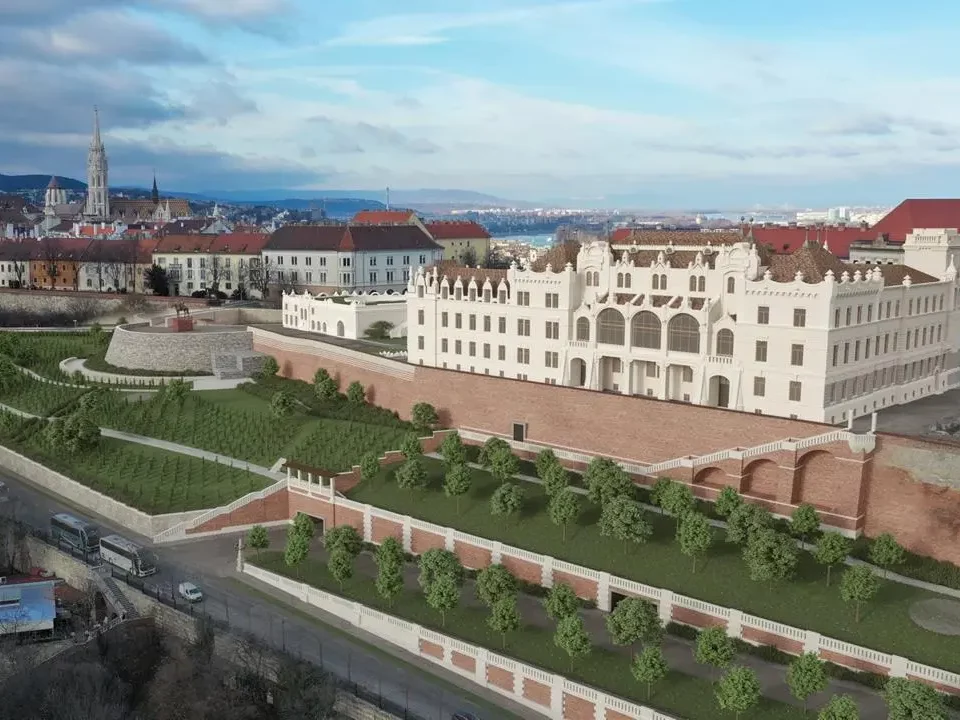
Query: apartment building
337	257
460	239
15	263
202	262
705	317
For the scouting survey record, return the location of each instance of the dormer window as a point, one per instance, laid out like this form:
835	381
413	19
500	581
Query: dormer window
458	293
444	292
472	294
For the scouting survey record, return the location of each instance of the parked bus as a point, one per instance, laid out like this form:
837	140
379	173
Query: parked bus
127	556
76	533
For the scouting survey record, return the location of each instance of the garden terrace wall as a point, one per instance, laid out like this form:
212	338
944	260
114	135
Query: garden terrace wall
475	552
894	496
135	347
130	518
550	695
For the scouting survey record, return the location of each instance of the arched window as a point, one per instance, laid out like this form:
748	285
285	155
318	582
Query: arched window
683	334
626	280
583	329
610	327
589	279
620	280
596	278
701	284
725	342
656	282
645	330
693	283
731	285
663	282
340	328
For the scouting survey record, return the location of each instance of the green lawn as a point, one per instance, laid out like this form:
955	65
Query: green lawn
239	424
680	695
804	602
38	397
43	351
149	479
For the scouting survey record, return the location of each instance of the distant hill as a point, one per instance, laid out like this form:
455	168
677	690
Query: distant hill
373	198
13	183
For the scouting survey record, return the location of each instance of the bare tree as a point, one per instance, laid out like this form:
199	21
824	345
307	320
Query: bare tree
51	256
263	275
131	257
94	262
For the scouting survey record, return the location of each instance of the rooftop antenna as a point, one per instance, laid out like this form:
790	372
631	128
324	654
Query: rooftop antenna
388	198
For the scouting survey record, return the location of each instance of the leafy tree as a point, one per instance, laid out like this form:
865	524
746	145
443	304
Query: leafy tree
695	536
561	602
258	538
504	617
745	520
658	490
840	707
804	521
296	550
738	690
506	500
649	667
678	500
303	525
858	585
452	450
806	676
886	552
563	509
379	330
605	481
389	560
832	549
633	620
715	647
770	556
457	482
176	391
546	460
556	480
913	700
344	537
156	280
340	565
504	465
369	466
282	404
572	638
412	475
494	583
490	448
625	520
324	386
425	418
80	434
269	368
410	447
389	552
436	563
727	501
356	394
443	595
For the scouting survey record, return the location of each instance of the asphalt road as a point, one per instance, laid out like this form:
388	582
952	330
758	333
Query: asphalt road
209	563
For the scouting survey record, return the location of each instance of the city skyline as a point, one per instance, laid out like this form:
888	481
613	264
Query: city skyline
601	102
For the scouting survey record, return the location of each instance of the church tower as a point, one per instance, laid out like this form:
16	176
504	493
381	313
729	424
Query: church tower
98	199
155	193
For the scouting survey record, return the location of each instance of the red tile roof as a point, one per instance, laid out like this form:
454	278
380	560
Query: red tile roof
70	248
194	243
348	238
457	230
917	213
240	243
378	217
785	239
641	236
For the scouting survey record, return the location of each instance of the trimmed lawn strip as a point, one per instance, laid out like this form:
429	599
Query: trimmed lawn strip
495	711
38	397
149	479
804	602
678	694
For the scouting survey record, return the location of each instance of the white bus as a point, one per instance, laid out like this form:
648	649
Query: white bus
127	556
74	532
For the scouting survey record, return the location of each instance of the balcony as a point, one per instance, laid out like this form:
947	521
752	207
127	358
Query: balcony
720	359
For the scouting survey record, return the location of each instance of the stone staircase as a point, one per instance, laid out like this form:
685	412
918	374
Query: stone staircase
114	596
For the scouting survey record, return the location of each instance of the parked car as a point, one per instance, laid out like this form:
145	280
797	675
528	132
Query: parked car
190	592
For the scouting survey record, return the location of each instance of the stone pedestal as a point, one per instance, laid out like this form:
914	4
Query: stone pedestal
181	324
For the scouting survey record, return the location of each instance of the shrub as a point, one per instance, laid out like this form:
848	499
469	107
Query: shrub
324	385
356	394
269	368
424	417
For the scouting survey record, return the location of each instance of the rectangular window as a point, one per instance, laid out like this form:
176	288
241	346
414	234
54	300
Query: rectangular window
421	317
306	261
846	353
799	317
458	321
389	276
836	352
472	349
859	314
486	323
523	328
856	351
523	356
836	318
373	262
390	260
293	260
794	391
444	319
501	352
444	347
523	298
457	347
502	324
486	350
345	262
552	359
473	322
759	386
686	375
761	352
406	259
373	277
763	315
552	330
796	355
420	342
553	300
309	275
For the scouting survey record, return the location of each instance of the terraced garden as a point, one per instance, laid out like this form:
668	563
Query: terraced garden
43	351
23	392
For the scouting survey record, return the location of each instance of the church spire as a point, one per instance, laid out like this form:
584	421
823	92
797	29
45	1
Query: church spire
98	198
95	141
155	194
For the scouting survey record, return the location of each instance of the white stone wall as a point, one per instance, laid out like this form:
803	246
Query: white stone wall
349	317
170	351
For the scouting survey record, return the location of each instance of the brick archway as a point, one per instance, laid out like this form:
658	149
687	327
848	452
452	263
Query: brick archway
712	477
765	479
817	482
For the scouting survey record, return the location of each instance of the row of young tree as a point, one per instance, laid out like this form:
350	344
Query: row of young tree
634	623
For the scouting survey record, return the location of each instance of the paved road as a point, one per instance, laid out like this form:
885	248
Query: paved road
211	562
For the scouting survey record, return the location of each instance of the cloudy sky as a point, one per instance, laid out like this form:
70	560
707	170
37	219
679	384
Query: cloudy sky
652	103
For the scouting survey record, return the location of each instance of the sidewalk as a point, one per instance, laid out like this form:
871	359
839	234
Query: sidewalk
902	579
677	651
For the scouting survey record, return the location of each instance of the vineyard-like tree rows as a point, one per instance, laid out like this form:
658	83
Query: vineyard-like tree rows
43	351
36	397
340	444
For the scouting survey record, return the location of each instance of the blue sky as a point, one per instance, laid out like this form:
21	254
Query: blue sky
671	103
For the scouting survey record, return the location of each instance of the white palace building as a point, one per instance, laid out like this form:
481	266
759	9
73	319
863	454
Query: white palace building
702	317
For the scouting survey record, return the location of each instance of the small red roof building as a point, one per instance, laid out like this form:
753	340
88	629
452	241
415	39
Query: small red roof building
457	230
384	217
